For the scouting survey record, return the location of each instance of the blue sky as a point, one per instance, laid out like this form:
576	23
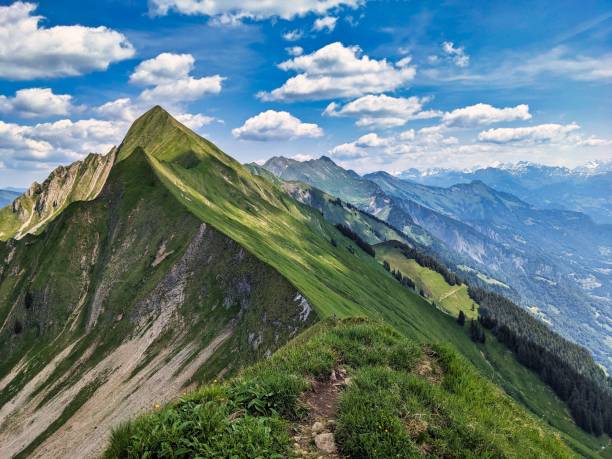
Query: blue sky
375	85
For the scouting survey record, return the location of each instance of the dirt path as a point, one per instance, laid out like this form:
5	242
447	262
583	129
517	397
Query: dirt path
452	292
314	436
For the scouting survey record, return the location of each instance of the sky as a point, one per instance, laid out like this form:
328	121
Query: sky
374	85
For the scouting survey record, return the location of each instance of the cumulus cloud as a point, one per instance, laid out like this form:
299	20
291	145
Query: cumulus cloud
36	103
164	68
302	157
169	74
28	51
382	110
338	71
358	148
456	54
541	133
195	121
295	50
252	9
293	35
273	125
63	141
186	89
327	23
482	114
172	87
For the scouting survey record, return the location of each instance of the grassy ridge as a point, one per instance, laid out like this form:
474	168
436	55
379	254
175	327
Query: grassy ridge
296	240
390	408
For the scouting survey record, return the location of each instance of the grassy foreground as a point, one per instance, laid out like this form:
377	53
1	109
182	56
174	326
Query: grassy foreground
402	399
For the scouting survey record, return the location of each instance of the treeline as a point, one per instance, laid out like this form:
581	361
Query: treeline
566	367
404	280
427	261
363	245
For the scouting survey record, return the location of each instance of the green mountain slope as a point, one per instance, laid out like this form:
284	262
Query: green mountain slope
500	364
185	267
120	303
451	298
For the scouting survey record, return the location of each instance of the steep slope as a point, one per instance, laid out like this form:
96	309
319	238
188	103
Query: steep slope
80	181
184	268
384	396
497	240
120	303
557	251
450	298
525	385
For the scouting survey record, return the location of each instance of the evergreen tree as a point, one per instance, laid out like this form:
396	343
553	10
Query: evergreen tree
461	318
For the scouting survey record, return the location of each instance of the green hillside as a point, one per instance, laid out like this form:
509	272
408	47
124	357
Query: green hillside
175	207
385	396
451	298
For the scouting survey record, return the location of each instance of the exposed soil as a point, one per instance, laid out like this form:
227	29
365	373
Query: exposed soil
322	404
428	367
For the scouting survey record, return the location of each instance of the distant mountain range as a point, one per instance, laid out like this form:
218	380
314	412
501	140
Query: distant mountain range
557	262
130	278
586	189
7	196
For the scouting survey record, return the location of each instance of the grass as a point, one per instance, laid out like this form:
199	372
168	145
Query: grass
451	298
296	240
389	409
293	239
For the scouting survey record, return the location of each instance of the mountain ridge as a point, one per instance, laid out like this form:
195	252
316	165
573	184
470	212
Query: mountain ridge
257	267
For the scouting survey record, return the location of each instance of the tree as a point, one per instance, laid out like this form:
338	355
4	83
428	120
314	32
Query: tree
461	318
386	265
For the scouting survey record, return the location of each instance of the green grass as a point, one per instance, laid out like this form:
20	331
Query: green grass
294	239
451	298
389	409
290	237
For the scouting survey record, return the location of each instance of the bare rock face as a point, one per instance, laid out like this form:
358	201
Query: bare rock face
80	181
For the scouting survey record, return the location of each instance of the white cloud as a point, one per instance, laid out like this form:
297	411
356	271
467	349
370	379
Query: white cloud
169	75
359	148
295	50
382	110
120	110
36	103
183	90
164	68
593	141
194	121
327	23
458	55
293	35
541	133
338	71
273	125
562	61
253	9
302	157
28	51
482	114
48	144
125	111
